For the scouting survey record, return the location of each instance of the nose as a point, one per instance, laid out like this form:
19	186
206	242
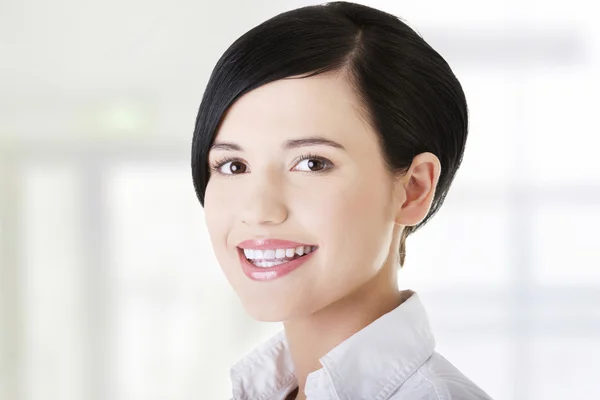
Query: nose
263	200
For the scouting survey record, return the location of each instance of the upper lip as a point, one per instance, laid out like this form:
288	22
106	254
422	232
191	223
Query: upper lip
269	244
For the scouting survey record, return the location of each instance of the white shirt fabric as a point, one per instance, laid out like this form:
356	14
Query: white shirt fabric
393	358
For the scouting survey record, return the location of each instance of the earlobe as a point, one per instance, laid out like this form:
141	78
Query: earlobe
418	189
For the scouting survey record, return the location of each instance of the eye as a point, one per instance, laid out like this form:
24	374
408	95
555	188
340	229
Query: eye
230	167
312	163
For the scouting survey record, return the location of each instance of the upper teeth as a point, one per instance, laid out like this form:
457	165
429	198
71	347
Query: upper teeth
273	254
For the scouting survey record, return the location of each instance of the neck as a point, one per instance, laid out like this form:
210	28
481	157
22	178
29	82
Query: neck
311	337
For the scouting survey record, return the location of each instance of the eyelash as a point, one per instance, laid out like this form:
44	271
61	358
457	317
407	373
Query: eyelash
216	166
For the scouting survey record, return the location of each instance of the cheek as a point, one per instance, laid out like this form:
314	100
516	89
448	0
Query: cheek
365	197
215	212
357	226
218	223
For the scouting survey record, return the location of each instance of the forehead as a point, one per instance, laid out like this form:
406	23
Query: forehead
324	104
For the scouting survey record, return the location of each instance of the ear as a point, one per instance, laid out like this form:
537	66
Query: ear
416	189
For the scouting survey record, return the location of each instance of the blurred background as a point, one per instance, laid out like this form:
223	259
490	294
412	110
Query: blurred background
109	289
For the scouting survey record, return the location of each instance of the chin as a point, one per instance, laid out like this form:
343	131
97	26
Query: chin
270	314
276	311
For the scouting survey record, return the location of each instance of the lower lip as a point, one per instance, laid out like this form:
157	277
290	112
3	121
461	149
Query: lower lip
268	274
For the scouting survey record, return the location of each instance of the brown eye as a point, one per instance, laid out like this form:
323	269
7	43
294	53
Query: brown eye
232	168
313	164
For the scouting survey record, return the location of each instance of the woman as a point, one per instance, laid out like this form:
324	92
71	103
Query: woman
325	137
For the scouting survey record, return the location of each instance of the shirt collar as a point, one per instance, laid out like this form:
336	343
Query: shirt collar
372	363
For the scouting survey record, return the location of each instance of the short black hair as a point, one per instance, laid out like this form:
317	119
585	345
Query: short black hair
411	97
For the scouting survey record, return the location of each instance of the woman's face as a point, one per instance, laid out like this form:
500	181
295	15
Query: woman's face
339	200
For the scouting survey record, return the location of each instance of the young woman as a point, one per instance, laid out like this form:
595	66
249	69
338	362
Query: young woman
325	137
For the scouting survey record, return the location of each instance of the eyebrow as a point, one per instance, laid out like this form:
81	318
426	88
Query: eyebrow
289	144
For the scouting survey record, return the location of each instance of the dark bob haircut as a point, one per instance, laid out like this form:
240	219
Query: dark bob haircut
411	97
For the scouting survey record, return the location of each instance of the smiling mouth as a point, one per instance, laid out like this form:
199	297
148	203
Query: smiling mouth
272	257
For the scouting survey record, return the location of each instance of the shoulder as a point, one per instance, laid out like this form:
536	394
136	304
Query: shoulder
438	379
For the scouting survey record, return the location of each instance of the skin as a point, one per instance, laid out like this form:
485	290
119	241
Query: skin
354	211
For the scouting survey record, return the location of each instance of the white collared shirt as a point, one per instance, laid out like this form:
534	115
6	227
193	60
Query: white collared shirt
393	358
